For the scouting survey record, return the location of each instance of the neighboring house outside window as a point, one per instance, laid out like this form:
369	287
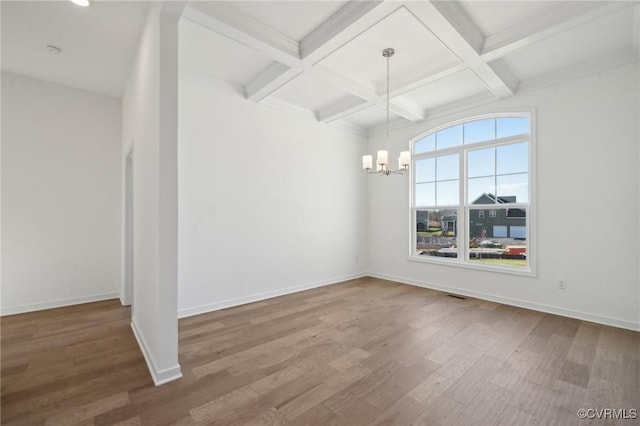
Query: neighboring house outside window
461	170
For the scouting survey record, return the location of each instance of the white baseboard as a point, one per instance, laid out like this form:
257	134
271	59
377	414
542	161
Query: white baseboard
615	322
159	377
12	310
187	312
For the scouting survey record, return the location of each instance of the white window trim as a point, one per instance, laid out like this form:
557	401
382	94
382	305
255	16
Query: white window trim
461	261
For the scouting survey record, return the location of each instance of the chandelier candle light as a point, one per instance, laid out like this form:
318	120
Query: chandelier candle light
382	160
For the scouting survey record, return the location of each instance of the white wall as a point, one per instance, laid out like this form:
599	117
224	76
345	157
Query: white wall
60	195
588	206
149	122
269	203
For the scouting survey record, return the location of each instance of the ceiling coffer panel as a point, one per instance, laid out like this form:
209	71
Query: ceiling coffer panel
314	95
418	53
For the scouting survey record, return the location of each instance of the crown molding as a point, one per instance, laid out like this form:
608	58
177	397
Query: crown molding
594	66
289	108
211	82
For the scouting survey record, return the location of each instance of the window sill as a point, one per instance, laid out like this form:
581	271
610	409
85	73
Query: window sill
457	263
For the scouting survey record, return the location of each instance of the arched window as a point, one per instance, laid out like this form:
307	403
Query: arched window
462	170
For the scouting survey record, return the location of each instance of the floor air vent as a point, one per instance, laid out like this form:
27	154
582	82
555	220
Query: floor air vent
457	297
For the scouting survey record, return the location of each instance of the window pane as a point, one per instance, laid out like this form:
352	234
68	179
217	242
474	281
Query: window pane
426	170
426	144
499	240
513	158
514	187
478	187
519	232
436	232
425	194
449	137
448	167
448	193
482	162
500	231
511	126
481	130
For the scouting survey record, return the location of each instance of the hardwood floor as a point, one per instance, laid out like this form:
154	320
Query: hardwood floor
363	352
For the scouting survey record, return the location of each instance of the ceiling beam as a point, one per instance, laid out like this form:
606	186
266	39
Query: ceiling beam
235	25
270	80
450	23
497	76
554	21
342	109
347	23
456	18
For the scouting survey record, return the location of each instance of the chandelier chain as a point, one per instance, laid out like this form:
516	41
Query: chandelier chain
387	127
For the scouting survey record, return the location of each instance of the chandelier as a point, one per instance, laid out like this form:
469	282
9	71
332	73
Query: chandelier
382	160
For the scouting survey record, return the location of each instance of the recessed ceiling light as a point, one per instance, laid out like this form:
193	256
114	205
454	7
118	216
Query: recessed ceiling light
83	3
53	49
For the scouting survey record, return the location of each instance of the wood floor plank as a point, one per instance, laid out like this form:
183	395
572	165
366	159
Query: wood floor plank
530	398
318	415
321	392
404	412
444	411
363	352
224	405
400	383
515	368
563	403
361	413
432	388
88	411
631	381
465	389
551	361
511	416
486	407
583	347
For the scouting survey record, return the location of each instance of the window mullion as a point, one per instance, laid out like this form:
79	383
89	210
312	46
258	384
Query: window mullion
462	214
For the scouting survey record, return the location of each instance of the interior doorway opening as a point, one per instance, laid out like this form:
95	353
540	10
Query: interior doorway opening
128	230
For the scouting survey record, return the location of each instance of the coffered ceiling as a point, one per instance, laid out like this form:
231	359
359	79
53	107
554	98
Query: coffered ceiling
323	59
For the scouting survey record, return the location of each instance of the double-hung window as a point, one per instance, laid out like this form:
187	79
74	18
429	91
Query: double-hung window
462	170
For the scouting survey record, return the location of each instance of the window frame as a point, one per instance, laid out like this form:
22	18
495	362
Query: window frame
464	207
